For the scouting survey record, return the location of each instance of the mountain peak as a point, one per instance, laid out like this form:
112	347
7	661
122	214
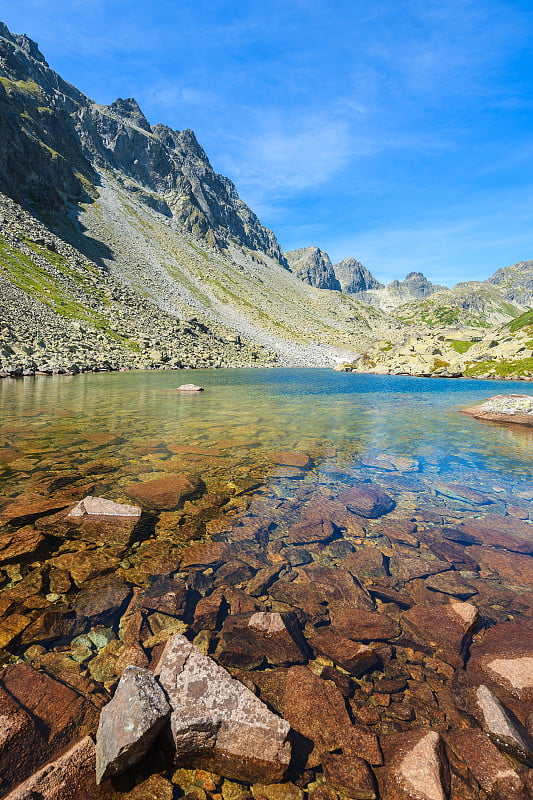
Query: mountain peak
313	266
354	277
130	110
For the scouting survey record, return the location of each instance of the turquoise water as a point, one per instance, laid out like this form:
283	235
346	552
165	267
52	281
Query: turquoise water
55	425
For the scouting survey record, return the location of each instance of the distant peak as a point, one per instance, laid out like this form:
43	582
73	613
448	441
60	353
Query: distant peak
26	44
412	275
129	109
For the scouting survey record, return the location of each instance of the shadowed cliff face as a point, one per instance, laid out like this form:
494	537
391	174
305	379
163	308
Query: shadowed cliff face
54	140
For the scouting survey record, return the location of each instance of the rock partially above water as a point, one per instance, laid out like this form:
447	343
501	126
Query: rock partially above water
216	722
190	387
416	766
100	506
130	723
515	408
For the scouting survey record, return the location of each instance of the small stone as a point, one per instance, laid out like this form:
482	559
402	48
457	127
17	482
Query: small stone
129	723
367	501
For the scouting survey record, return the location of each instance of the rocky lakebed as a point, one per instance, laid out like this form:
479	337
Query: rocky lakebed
296	624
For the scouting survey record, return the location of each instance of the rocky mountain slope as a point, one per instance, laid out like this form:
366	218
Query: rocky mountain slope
143	205
313	266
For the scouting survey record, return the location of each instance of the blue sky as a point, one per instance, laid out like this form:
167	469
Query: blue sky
398	132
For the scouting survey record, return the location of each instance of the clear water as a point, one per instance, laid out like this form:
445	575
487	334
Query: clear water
56	425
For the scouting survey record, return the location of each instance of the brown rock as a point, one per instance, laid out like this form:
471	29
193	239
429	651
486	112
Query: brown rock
498	722
409	568
58	710
20	739
21	542
452	584
503	659
247	640
513	568
216	722
486	764
459	492
496	531
287	458
102	598
165	493
365	563
166	595
360	625
86	564
447	628
311	529
30	507
355	658
401	531
415	766
352	776
69	777
367	501
316	710
207	554
338	587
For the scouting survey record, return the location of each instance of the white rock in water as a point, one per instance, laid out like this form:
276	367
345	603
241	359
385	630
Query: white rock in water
99	506
217	722
190	387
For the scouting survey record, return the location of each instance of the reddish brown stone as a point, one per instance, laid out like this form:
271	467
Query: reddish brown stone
415	766
206	554
247	640
452	584
446	627
360	625
367	501
513	568
365	563
288	458
70	776
169	596
19	741
338	587
355	658
316	710
336	512
29	507
311	529
401	531
59	711
351	775
503	660
102	599
486	764
459	492
165	493
7	455
21	542
86	564
408	568
496	531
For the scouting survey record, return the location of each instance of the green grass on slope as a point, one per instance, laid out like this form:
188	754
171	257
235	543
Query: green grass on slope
40	285
459	345
523	321
503	369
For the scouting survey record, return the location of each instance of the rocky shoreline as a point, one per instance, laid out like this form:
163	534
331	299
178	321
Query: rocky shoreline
392	638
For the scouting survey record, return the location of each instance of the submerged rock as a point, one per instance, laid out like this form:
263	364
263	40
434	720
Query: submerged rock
69	777
367	501
165	493
216	722
129	723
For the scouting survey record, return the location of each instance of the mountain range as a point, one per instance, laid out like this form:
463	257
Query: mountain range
121	246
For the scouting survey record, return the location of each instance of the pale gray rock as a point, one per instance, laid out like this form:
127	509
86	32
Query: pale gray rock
130	722
190	387
100	506
496	720
216	722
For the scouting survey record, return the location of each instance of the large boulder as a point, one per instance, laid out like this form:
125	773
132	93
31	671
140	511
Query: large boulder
216	722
